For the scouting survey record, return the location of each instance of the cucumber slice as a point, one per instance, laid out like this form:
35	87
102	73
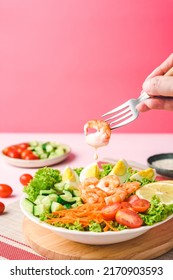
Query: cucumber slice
46	201
28	205
74	205
39	199
41	209
47	192
59	187
53	196
55	206
76	193
33	143
66	198
60	151
49	148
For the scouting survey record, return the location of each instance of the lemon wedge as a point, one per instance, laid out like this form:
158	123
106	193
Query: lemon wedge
163	189
91	170
120	169
69	175
148	173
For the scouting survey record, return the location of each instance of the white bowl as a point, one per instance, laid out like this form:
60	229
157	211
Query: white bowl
92	238
37	162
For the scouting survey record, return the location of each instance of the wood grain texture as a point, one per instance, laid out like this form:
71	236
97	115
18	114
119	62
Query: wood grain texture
150	245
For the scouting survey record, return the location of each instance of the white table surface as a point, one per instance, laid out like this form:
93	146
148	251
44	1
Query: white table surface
133	147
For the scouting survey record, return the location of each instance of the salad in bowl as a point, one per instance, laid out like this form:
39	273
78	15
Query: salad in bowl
98	204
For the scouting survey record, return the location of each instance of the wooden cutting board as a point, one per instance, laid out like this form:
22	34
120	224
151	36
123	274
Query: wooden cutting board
150	245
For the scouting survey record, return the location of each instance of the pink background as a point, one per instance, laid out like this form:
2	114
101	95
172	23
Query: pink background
65	62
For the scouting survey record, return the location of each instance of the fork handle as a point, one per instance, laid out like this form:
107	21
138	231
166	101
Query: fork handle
145	96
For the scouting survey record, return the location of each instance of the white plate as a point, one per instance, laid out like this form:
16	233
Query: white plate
92	238
37	162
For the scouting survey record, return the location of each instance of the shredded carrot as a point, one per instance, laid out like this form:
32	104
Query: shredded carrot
84	214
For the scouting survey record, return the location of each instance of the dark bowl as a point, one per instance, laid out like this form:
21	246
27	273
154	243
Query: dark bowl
161	170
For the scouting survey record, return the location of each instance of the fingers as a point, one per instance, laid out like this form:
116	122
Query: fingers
163	68
156	103
159	86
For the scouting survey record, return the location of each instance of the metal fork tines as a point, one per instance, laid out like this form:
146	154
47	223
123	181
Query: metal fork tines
124	113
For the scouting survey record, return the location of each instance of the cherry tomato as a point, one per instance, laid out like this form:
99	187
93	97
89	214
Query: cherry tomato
125	204
25	179
132	198
31	156
129	218
109	211
10	148
23	146
141	205
5	190
28	155
25	153
2	207
13	153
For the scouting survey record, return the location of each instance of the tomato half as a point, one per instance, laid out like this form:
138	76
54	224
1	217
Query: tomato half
132	198
141	205
125	205
12	152
5	190
109	211
25	179
25	153
31	157
23	146
129	218
2	207
10	148
28	155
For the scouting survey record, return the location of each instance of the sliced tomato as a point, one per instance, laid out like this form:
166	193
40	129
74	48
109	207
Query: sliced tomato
109	211
28	155
125	204
12	152
132	198
141	205
129	218
25	153
25	179
10	148
23	146
31	156
5	190
2	207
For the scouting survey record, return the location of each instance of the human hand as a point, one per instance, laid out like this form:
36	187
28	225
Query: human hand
159	86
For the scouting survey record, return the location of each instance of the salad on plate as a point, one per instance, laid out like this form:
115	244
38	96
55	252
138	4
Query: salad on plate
110	197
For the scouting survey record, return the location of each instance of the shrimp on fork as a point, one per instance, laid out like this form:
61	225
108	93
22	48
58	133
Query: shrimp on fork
102	135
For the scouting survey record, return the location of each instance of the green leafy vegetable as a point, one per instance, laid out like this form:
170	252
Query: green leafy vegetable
157	212
106	169
78	170
44	179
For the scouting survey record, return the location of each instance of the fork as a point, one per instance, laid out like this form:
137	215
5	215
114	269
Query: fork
127	112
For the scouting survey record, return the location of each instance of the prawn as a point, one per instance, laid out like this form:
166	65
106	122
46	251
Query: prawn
90	193
108	184
122	192
130	187
118	196
102	135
